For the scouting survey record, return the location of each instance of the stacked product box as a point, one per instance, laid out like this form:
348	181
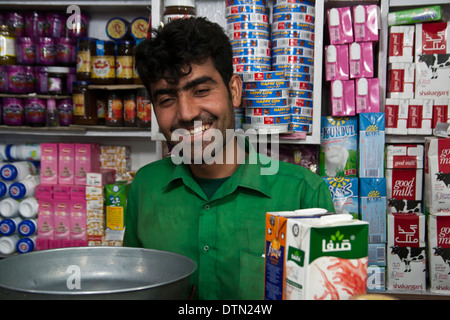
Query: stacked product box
418	77
437	201
349	60
117	158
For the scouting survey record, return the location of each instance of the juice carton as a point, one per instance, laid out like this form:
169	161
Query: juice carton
66	163
87	159
367	95
439	247
336	62
365	23
361	60
338	155
372	192
115	206
274	284
396	112
326	258
406	256
344	192
340	25
343	98
371	144
49	163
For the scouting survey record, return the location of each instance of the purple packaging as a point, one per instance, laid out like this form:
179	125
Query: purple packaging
340	25
336	62
365	23
71	78
16	79
46	50
79	29
343	98
16	21
35	111
367	95
65	50
56	26
30	82
65	111
3	81
13	112
26	50
41	85
35	24
361	60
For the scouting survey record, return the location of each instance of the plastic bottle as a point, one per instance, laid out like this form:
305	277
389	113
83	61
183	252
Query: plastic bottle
25	245
18	170
4	188
10	226
28	151
28	208
9	208
27	227
24	188
8	244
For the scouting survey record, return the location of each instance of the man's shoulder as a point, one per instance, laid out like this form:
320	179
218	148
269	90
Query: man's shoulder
162	166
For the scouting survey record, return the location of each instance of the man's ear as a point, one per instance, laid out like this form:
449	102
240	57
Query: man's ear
236	90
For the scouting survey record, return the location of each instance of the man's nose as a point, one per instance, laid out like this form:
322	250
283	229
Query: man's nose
187	109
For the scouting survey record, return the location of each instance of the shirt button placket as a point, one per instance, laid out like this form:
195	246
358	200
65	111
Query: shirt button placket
207	231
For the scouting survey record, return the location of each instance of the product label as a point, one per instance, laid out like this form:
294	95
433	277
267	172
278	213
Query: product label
7	46
144	109
124	67
443	231
83	61
103	67
406	230
78	104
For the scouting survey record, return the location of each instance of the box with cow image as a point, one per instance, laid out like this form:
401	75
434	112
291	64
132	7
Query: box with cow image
439	252
406	252
437	174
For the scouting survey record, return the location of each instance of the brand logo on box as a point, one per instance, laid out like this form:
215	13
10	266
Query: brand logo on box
434	38
443	231
406	230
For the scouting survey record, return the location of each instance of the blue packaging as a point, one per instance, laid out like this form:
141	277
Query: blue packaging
344	192
371	144
372	207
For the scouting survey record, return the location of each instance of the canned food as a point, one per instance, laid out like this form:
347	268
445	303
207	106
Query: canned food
294	8
254	34
268	119
253	43
266	93
303	68
240	68
251	59
229	3
302	52
261	26
300	127
263	76
297	118
300	94
259	52
302	111
288	25
278	102
292	59
245	9
248	17
301	85
291	42
294	34
300	102
270	84
249	111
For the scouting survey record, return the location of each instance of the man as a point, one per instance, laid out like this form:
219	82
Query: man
210	206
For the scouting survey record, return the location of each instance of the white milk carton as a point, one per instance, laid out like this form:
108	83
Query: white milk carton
400	80
371	144
439	249
437	174
406	256
396	111
420	115
326	258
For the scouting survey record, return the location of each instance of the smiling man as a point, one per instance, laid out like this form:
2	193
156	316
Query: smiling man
210	211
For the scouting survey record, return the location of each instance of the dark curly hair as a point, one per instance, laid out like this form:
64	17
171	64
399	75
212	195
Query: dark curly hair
180	43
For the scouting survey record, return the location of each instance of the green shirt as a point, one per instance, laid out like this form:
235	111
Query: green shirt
225	234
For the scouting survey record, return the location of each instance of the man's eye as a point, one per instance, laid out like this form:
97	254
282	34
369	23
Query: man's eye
165	102
201	92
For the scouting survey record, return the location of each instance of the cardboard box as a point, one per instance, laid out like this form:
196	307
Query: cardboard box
365	23
396	111
367	95
439	249
420	116
361	60
66	163
336	62
340	25
49	163
400	80
372	198
343	98
401	44
371	144
441	111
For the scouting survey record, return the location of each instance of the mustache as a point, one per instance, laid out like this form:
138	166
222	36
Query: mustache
190	124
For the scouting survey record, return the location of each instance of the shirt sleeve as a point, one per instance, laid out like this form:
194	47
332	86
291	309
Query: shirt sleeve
130	238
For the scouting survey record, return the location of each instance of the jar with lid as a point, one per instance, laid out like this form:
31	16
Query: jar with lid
26	50
13	111
7	45
65	51
178	9
114	110
85	48
79	27
139	28
118	29
144	108
129	109
124	62
102	102
46	51
85	109
57	80
103	64
35	112
65	111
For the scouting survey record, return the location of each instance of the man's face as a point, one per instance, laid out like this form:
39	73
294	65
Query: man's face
200	105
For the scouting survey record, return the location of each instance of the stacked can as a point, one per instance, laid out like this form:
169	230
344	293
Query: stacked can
293	53
248	28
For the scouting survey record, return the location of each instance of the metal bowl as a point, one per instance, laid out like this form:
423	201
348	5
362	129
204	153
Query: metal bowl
96	273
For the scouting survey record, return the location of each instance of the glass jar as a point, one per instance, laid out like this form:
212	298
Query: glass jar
85	48
129	109
144	108
178	9
102	105
26	50
124	62
118	29
13	112
139	28
84	111
46	51
136	78
103	64
65	51
16	77
65	111
79	29
114	110
35	112
57	80
7	45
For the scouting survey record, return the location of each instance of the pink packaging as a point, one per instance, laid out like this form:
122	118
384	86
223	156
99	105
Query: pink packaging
49	163
78	219
432	38
420	116
77	191
45	221
66	163
396	111
441	111
361	60
400	80
336	62
340	25
365	23
367	95
87	159
43	191
401	44
61	209
343	98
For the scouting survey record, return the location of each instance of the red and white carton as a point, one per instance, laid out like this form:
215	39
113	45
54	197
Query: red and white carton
401	44
400	80
406	256
437	174
439	252
432	76
420	116
432	38
441	111
404	190
404	156
365	23
396	111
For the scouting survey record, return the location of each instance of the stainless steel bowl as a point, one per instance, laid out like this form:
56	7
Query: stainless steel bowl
96	273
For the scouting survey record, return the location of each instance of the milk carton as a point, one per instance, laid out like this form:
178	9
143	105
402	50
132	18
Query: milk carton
406	258
361	60
49	163
365	23
439	249
376	279
336	62
437	174
396	113
400	80
344	192
441	111
343	98
371	144
274	279
377	254
420	115
367	95
372	193
401	44
339	147
326	258
340	25
432	38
